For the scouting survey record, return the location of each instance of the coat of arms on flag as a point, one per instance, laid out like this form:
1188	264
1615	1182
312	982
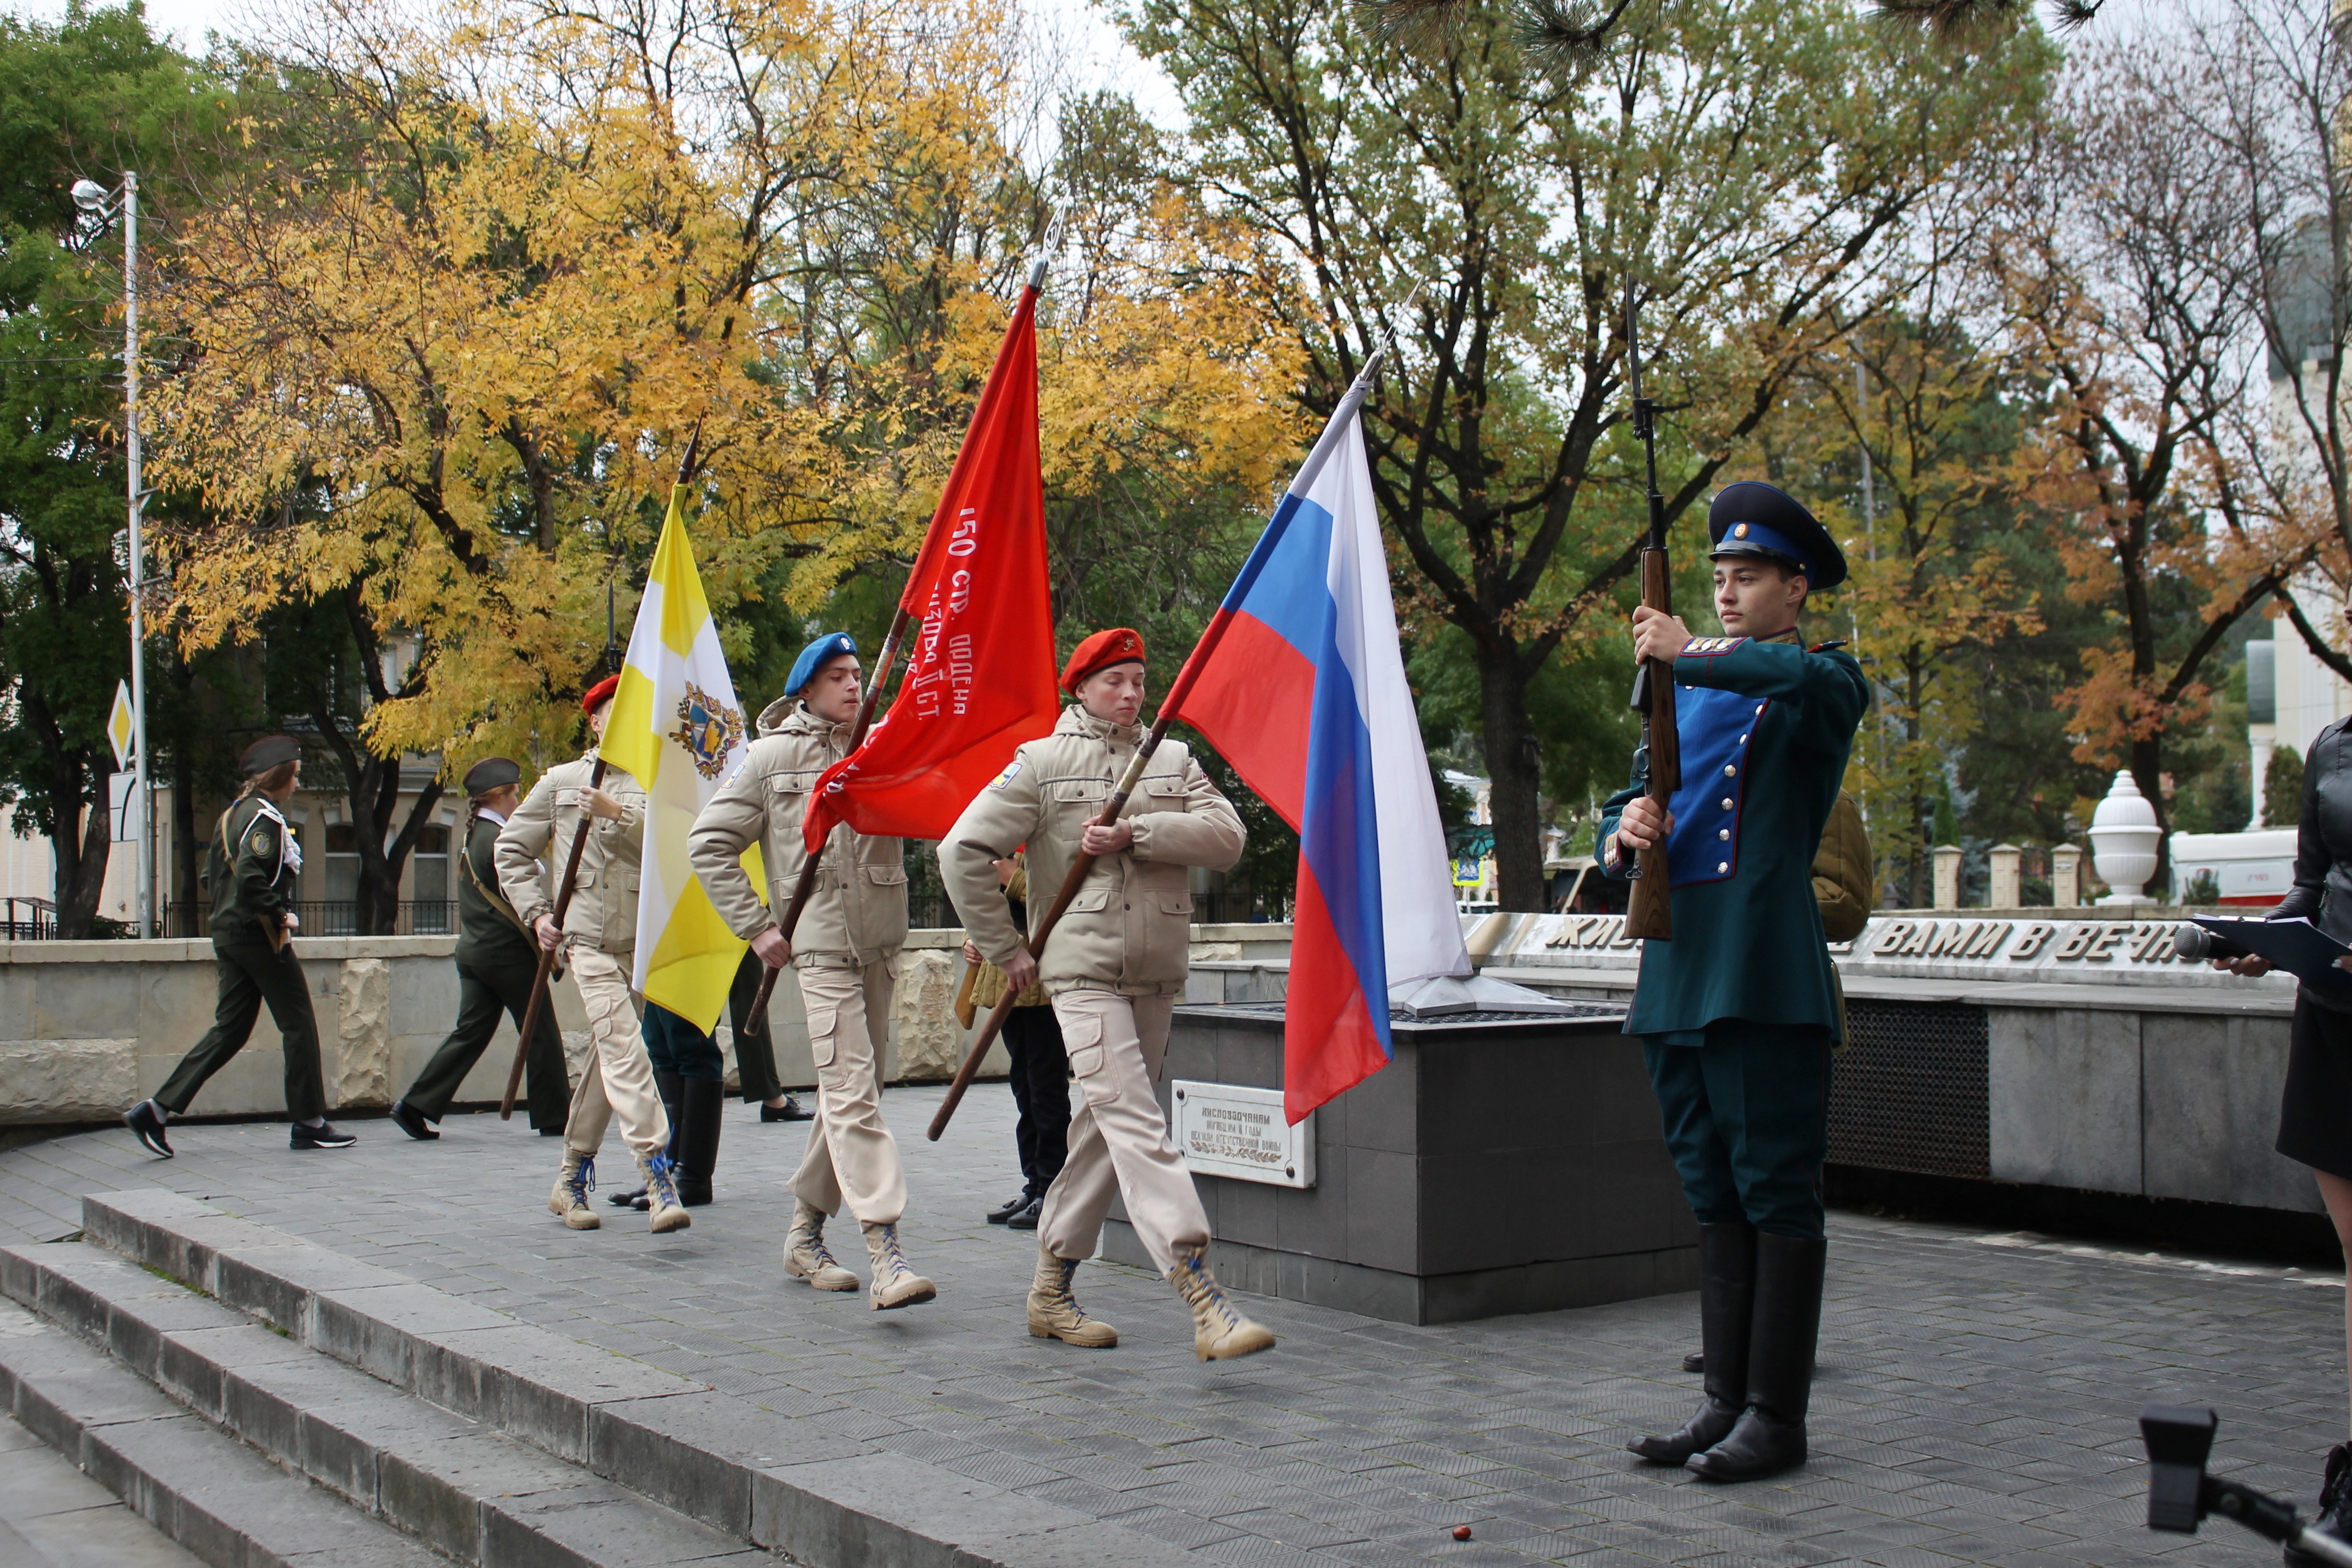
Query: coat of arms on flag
708	728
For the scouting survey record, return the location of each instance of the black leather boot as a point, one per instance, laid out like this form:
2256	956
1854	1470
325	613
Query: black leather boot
702	1103
1770	1437
666	1085
1727	1293
2335	1505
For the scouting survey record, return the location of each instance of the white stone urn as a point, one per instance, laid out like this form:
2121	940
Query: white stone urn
2123	836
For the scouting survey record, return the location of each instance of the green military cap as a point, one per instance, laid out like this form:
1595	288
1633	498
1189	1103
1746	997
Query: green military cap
491	772
269	752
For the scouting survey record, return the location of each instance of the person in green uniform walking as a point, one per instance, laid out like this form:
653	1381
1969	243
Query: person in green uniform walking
498	964
1739	1013
249	872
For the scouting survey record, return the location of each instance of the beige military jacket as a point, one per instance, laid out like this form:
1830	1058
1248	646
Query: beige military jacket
858	910
604	911
1130	928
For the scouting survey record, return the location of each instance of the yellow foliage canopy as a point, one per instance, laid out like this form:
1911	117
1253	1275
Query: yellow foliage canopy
451	330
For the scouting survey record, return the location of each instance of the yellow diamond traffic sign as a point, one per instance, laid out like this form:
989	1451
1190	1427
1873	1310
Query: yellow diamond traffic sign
118	727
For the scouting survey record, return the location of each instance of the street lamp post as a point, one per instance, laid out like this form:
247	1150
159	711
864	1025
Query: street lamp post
92	198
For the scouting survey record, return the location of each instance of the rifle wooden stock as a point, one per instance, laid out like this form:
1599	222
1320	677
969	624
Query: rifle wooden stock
1041	930
539	983
756	1022
1649	912
964	1010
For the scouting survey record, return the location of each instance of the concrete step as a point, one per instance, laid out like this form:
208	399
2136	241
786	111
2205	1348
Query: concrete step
753	1475
223	1502
461	1488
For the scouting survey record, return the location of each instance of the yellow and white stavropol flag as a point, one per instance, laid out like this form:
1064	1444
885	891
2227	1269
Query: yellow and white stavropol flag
675	725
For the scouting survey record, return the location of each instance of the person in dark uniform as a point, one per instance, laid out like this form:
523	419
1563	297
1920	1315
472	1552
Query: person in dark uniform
249	873
498	964
1039	1066
755	1053
690	1074
1739	1013
2312	1130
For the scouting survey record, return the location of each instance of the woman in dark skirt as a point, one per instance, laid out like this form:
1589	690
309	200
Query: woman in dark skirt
2316	1112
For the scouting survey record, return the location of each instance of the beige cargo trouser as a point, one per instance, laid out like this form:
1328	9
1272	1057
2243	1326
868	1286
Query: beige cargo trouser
1118	1138
622	1083
851	1156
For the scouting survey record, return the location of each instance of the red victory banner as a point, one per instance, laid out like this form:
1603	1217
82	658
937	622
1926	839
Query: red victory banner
981	680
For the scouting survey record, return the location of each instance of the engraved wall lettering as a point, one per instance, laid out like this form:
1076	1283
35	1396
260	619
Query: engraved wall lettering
1985	941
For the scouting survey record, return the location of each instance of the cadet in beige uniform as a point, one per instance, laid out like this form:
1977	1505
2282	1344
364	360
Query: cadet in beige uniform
1114	967
599	938
846	951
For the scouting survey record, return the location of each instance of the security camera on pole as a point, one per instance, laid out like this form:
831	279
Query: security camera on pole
92	198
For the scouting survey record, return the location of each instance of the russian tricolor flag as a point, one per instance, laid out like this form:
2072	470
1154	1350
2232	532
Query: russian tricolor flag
1299	681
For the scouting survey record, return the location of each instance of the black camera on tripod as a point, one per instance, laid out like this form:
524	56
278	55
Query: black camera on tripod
2180	1494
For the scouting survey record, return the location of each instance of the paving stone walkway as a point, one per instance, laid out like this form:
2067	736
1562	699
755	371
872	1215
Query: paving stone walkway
1976	1402
53	1516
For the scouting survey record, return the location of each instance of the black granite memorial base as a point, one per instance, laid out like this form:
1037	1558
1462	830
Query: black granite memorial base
1500	1163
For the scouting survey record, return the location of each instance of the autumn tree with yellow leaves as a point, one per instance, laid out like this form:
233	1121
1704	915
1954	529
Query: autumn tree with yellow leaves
1929	407
2138	258
448	332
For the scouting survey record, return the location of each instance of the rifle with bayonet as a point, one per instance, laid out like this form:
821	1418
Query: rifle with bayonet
1649	914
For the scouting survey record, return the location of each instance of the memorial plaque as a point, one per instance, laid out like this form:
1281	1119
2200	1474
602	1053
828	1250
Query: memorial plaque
1225	1130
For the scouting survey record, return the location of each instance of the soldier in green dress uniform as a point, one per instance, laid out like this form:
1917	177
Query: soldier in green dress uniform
250	871
1739	1013
498	964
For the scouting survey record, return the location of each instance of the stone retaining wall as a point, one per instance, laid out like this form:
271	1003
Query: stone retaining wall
89	1028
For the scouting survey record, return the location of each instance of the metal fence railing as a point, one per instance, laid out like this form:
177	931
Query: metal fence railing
30	920
328	917
927	909
932	912
1236	905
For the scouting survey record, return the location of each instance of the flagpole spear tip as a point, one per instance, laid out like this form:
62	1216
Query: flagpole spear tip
1388	350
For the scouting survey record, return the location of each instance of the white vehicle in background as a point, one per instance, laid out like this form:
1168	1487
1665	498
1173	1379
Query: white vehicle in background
2255	868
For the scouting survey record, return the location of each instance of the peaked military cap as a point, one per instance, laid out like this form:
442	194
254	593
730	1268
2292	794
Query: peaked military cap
597	696
1754	519
492	772
1120	645
815	657
269	752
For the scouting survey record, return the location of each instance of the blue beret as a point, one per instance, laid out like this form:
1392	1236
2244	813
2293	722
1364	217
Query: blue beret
814	657
1753	519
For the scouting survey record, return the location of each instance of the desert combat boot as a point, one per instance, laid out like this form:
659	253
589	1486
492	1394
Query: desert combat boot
1054	1311
895	1284
805	1255
1219	1333
662	1207
573	1183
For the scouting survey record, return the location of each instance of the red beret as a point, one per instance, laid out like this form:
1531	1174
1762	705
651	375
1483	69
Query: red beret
600	694
1100	651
